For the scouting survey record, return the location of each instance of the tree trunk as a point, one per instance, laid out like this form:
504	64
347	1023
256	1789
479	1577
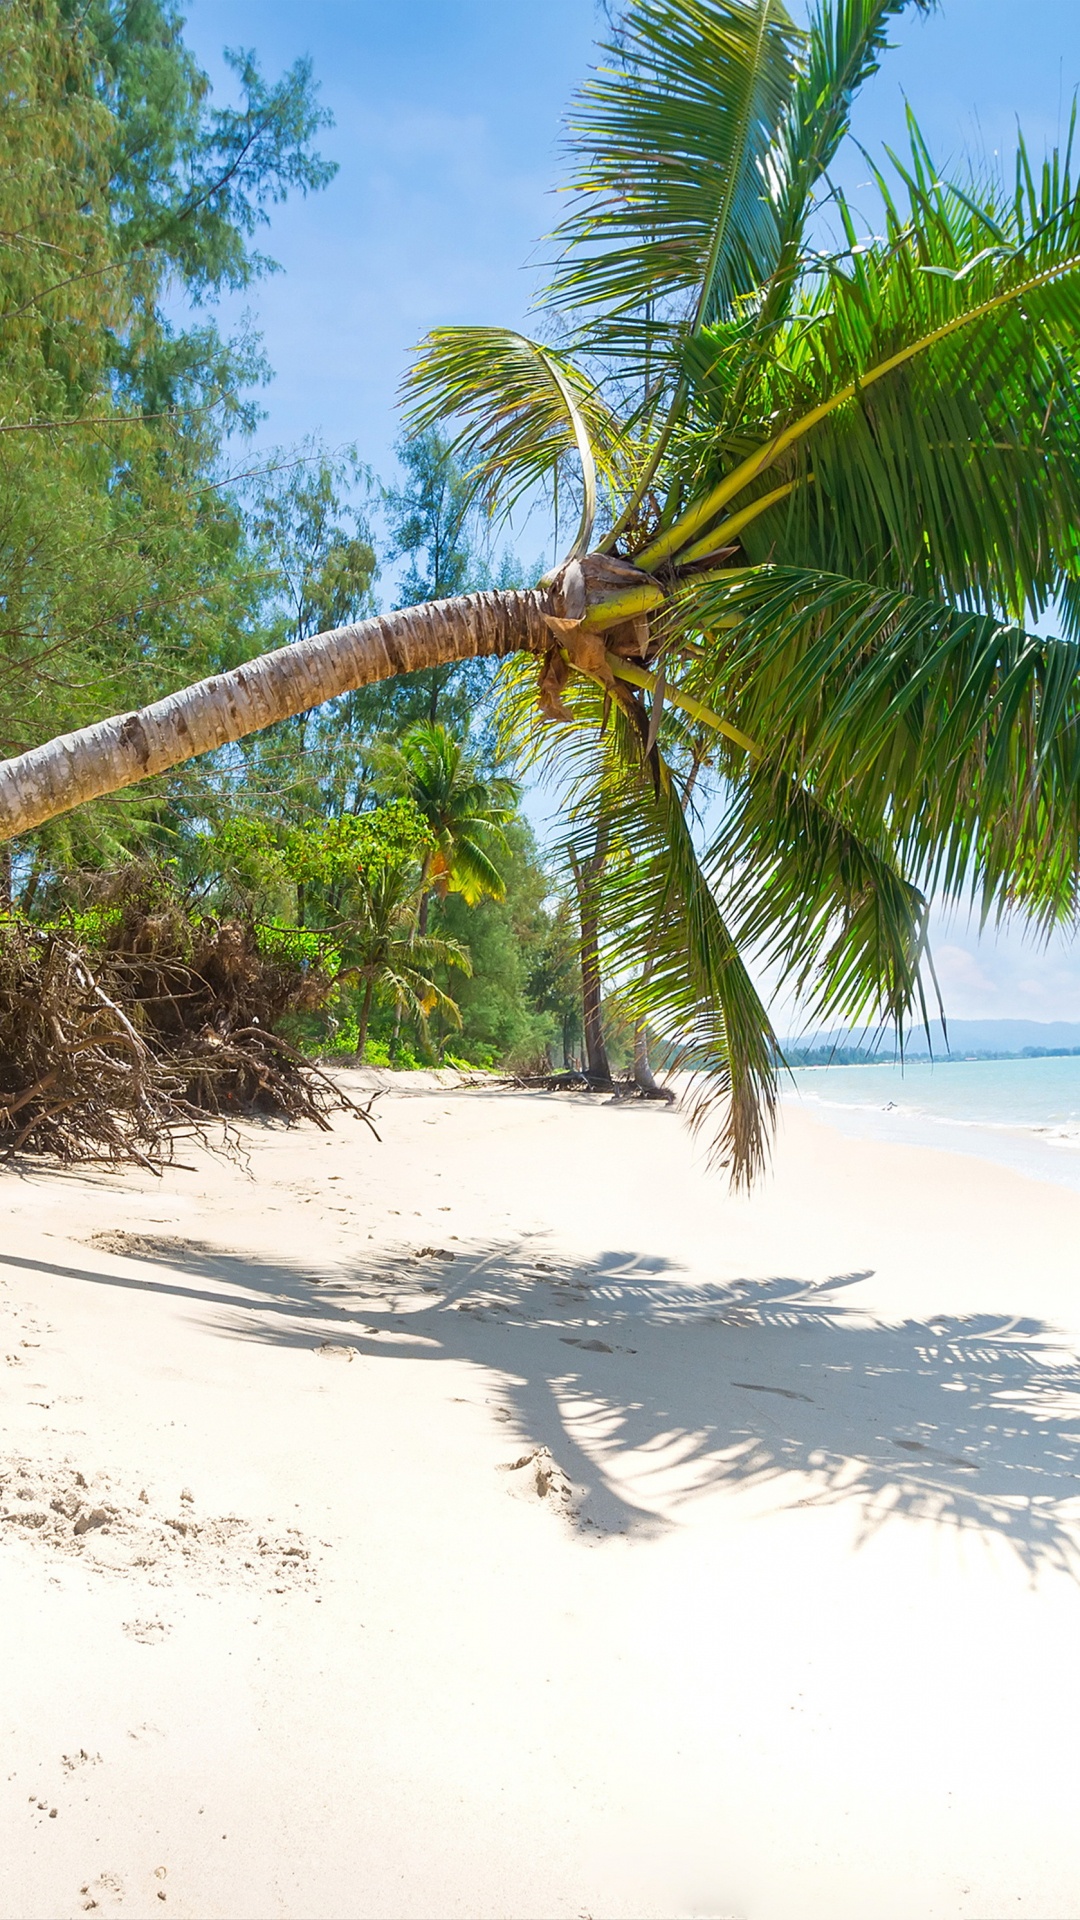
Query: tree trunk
644	1079
130	747
29	892
643	1073
423	901
365	1016
596	1061
586	875
5	880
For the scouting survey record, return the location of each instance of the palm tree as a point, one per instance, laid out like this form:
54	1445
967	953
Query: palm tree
465	813
826	491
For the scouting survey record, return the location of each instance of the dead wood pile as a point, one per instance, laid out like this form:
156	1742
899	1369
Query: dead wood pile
112	1046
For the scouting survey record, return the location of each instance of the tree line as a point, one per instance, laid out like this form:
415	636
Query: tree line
143	539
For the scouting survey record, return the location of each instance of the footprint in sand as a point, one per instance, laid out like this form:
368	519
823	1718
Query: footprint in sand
119	1532
105	1893
149	1632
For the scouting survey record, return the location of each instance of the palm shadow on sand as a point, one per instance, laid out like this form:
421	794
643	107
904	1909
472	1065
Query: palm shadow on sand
652	1390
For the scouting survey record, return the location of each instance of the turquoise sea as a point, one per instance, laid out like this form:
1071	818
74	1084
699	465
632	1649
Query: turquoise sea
1021	1113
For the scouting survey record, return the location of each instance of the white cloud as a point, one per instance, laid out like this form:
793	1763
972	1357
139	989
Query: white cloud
1006	973
961	976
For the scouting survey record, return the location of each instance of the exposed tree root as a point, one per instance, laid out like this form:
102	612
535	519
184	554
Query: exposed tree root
110	1050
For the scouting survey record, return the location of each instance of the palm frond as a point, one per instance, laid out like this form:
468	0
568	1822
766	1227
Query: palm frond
665	944
415	993
523	409
473	873
953	734
672	218
823	903
423	951
841	52
958	338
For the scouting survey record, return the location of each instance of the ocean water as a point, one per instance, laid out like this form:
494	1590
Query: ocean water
1020	1113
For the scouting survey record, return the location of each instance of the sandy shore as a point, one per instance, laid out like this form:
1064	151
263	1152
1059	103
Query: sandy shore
657	1553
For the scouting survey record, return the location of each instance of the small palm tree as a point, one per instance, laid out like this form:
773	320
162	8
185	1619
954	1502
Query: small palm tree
826	489
387	955
465	813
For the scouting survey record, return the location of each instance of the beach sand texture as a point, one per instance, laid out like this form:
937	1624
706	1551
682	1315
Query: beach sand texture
504	1520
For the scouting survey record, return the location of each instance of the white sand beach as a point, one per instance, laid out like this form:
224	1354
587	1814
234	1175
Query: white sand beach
658	1553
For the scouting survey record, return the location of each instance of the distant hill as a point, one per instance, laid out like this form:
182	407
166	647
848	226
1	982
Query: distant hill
964	1037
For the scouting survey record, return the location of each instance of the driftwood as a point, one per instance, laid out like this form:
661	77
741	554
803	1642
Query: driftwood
580	1080
110	1050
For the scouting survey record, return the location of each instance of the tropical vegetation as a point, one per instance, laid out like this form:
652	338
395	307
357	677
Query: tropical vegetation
827	485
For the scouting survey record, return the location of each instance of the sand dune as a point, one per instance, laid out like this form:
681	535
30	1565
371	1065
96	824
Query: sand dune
504	1521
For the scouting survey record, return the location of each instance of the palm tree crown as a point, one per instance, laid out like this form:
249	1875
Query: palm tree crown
824	495
466	813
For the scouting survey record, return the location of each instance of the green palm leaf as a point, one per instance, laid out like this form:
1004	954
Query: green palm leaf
953	734
473	872
823	903
690	983
667	949
672	218
841	52
1002	318
522	407
465	814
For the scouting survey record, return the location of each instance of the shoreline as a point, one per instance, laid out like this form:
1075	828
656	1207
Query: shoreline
897	1108
1035	1152
532	1527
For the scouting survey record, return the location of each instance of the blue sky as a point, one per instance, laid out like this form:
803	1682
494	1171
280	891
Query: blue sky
447	137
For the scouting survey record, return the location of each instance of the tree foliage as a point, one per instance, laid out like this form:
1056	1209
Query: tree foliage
136	548
124	562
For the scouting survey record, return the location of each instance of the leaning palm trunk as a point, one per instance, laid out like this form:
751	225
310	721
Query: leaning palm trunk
130	747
